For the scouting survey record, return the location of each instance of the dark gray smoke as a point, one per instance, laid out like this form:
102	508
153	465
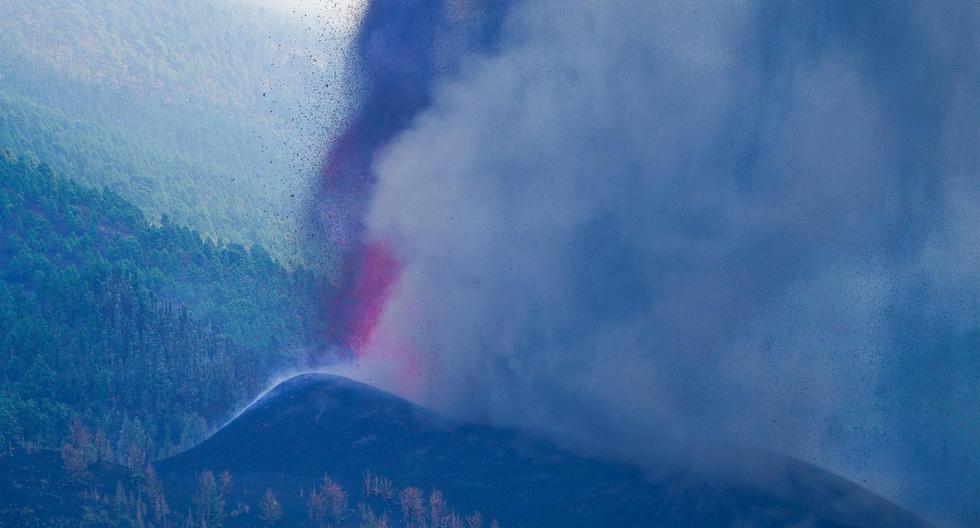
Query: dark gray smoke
739	222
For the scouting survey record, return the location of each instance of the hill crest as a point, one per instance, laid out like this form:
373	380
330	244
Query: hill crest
313	424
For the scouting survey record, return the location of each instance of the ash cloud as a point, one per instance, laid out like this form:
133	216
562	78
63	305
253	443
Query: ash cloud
731	222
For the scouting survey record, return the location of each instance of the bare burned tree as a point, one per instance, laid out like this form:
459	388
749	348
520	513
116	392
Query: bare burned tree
413	510
316	509
437	508
475	520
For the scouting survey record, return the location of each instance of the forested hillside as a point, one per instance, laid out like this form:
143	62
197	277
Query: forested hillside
149	334
201	110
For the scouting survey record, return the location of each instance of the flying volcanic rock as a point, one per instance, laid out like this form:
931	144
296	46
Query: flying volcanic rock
315	423
401	49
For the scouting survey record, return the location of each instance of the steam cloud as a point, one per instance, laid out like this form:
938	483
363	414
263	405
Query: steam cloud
722	222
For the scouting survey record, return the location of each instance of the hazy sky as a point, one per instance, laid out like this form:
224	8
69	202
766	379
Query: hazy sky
339	9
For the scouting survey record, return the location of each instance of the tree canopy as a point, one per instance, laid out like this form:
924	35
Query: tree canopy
149	333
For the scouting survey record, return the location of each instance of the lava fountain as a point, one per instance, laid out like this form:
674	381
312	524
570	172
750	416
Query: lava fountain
401	50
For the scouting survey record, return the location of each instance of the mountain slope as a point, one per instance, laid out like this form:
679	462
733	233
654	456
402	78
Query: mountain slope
318	423
201	110
152	330
35	492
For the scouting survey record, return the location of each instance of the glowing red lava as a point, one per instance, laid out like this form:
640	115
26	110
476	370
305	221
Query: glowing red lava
379	271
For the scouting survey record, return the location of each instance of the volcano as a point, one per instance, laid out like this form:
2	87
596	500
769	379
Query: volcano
317	423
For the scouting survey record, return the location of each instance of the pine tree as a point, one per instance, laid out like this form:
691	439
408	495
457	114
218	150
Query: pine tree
119	501
78	453
368	484
103	449
161	510
132	439
154	492
226	480
208	500
151	483
270	511
135	457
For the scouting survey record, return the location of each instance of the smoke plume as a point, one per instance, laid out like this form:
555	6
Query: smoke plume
739	222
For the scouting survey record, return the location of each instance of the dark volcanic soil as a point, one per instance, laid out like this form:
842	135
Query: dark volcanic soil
316	423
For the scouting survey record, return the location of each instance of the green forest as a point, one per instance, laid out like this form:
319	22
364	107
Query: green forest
148	334
209	112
